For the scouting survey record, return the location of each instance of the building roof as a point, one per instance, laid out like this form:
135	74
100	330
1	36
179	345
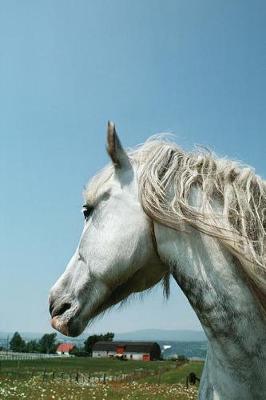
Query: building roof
65	347
131	347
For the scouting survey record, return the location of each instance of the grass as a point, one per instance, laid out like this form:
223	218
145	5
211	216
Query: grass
82	364
168	385
176	375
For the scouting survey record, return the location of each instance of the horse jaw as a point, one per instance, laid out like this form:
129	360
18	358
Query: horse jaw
98	297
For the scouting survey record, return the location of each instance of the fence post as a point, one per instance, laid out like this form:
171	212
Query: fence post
44	373
159	376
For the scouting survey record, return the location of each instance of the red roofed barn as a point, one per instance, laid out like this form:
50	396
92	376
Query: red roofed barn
64	349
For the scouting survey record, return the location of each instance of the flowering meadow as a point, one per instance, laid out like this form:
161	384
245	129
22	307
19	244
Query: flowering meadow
35	388
92	379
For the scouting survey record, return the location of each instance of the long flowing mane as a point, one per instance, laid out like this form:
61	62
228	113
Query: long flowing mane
167	177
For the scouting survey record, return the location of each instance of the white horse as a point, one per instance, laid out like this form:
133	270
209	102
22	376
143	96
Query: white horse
158	211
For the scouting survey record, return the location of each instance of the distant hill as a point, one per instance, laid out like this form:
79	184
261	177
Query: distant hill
160	335
163	335
190	350
25	335
79	341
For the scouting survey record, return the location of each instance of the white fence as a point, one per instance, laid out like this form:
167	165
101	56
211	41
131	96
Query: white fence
10	355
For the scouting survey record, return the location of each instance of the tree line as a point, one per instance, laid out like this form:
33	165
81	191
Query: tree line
48	344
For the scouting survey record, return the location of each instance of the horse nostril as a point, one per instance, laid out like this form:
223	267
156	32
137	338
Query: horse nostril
51	307
61	309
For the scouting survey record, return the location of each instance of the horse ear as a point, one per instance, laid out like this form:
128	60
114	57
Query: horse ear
115	149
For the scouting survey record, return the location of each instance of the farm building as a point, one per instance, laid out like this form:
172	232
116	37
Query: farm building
64	349
146	351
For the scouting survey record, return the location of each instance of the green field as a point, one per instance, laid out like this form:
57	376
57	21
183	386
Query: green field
57	379
82	364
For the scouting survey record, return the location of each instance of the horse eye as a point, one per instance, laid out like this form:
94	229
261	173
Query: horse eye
87	210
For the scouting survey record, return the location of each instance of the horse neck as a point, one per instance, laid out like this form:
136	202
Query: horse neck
217	290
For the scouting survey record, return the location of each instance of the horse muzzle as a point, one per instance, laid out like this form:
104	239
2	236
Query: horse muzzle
65	318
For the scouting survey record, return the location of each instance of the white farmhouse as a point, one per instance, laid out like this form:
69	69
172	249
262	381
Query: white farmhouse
145	351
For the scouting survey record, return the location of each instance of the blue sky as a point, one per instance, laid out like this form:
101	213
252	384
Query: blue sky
195	68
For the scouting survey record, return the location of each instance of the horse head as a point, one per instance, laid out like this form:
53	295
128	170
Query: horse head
116	255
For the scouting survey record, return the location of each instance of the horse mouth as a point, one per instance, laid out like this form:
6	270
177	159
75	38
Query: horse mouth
71	320
67	325
62	316
59	325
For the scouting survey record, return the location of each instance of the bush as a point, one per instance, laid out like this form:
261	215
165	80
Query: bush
80	354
